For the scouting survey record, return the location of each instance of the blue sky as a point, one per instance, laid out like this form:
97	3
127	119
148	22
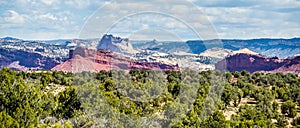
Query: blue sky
239	19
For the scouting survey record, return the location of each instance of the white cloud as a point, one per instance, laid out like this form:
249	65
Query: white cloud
79	4
48	16
13	17
49	2
145	26
149	34
230	18
179	16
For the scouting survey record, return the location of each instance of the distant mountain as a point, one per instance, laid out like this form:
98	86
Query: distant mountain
55	42
151	45
20	54
282	48
48	50
194	54
51	42
22	60
198	46
9	38
164	46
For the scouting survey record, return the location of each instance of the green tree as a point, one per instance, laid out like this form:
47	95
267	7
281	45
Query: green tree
289	108
68	103
217	120
228	76
245	73
281	122
46	79
7	121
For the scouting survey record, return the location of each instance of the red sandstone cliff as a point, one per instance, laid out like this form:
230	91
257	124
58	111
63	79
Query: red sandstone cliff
97	60
293	66
255	62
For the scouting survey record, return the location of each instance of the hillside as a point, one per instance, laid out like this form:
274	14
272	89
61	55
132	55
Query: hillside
23	60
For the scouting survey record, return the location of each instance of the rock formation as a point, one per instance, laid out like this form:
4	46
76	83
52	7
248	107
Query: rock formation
97	60
256	62
22	60
116	44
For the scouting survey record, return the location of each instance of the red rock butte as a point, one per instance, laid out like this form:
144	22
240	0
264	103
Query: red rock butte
256	62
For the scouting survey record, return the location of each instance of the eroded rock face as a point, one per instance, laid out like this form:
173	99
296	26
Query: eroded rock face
97	60
108	42
292	66
253	63
116	44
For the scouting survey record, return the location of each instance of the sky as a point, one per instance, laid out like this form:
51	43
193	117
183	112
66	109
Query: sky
158	19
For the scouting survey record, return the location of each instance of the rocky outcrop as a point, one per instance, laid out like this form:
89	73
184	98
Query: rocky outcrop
97	60
216	52
116	44
213	55
292	66
256	62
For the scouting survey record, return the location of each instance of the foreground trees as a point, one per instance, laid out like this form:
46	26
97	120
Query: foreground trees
148	98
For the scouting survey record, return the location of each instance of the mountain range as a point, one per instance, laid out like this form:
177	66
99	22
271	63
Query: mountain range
282	48
165	55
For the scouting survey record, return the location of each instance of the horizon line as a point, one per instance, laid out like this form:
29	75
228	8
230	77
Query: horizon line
286	38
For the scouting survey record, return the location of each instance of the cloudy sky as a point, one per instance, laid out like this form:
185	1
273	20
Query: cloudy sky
163	19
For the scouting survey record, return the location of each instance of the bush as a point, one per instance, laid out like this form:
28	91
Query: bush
289	108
